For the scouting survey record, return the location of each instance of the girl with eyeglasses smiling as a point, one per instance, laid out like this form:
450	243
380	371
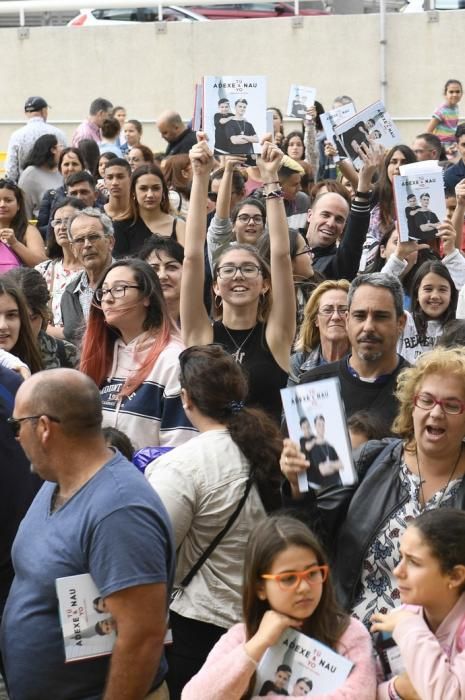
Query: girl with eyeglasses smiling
286	584
256	332
130	349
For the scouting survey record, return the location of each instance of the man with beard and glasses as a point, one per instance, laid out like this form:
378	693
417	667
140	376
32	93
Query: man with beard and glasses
368	375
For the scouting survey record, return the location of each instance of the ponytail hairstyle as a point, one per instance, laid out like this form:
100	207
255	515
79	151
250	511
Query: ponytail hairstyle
99	338
217	387
443	532
436	267
271	537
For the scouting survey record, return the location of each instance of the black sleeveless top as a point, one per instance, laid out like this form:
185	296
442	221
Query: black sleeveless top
130	237
250	349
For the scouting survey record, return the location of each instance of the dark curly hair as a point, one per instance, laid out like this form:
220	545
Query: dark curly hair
217	387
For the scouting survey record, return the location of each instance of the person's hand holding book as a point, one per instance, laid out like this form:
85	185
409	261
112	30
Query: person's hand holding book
293	463
271	628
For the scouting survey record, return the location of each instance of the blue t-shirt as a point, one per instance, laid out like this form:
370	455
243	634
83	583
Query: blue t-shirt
115	528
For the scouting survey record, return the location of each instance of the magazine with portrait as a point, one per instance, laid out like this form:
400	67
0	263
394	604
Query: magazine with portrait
316	421
333	118
234	114
372	125
300	99
420	201
88	630
297	663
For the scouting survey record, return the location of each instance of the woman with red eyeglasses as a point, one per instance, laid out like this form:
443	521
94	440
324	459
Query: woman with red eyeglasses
286	585
422	469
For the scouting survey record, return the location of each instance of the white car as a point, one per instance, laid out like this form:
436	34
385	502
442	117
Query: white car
419	5
171	13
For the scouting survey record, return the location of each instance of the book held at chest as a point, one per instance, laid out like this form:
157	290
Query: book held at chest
298	660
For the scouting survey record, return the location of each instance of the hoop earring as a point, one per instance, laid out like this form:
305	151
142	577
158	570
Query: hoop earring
218	301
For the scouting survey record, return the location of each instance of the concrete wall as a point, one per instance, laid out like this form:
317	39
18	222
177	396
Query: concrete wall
148	71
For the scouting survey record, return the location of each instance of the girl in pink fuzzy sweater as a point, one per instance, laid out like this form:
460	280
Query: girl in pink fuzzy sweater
430	629
286	584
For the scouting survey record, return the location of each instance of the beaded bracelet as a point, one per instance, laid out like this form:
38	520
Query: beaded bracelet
275	194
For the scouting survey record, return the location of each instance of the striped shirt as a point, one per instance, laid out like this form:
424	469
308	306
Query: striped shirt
448	118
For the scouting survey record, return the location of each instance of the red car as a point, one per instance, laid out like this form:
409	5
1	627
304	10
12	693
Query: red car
272	9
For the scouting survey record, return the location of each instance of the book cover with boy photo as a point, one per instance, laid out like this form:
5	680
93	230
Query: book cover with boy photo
420	201
298	663
88	629
300	99
333	118
372	125
234	113
316	421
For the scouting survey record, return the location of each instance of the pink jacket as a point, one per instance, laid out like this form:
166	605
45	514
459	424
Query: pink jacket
227	671
435	663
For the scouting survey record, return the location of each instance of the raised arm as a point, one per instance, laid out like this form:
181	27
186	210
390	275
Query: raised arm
453	258
459	213
312	155
397	261
220	231
348	254
196	328
280	330
348	170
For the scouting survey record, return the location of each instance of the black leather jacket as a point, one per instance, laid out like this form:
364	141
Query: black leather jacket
347	518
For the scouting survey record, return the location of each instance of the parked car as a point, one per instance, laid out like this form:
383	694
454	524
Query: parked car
251	11
171	13
421	5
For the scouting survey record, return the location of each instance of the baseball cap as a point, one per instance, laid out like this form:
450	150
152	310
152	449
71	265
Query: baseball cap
34	104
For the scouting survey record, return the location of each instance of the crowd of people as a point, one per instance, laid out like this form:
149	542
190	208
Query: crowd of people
152	308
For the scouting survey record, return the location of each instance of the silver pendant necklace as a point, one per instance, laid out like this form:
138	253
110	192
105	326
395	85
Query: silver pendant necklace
238	354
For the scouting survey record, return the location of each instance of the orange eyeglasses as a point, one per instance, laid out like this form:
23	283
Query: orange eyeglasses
291	579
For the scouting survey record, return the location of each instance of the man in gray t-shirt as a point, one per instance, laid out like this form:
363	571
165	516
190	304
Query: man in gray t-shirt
95	514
